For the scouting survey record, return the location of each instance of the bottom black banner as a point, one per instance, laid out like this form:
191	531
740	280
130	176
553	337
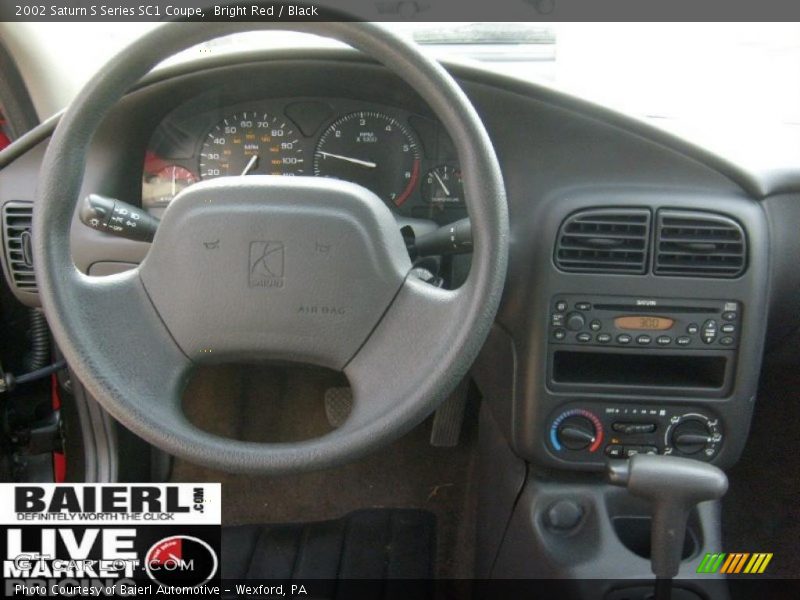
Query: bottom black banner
409	589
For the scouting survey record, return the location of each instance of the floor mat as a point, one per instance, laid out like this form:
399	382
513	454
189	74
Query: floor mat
761	512
367	544
262	404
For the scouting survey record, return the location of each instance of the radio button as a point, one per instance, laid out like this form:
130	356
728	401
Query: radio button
624	338
692	328
575	321
583	306
561	306
709	331
603	338
663	340
595	325
584	337
559	334
631	450
683	340
643	340
729	316
728	328
726	341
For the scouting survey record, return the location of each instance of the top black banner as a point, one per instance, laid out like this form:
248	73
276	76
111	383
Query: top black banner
403	10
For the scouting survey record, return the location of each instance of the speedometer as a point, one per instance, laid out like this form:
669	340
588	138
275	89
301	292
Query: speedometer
373	150
251	143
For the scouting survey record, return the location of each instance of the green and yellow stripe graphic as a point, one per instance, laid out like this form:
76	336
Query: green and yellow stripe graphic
735	562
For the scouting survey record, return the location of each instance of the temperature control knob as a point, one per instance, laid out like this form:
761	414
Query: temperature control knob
576	433
576	430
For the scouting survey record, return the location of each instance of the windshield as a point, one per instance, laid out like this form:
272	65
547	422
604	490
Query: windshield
733	87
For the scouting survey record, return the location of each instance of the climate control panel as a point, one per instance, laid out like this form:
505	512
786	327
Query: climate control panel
591	433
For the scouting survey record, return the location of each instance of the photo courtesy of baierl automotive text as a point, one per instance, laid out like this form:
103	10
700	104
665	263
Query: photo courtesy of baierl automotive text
370	299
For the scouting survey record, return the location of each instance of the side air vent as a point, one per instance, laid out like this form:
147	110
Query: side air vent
17	244
698	244
605	240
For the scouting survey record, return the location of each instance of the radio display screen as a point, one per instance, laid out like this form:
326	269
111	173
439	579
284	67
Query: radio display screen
644	323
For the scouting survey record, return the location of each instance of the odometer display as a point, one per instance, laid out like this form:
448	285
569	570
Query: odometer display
251	143
373	150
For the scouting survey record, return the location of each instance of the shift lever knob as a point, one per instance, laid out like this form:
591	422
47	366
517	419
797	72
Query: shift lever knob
674	486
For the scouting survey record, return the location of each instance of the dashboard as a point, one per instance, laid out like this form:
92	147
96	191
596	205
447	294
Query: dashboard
406	159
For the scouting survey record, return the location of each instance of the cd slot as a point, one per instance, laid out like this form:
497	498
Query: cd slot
656	309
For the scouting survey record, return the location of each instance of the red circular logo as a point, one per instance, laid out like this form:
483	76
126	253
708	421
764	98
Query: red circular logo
181	560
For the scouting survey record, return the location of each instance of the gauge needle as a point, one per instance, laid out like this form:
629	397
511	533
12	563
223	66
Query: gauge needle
356	161
250	164
441	183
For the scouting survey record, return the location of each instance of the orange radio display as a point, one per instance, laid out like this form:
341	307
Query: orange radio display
644	323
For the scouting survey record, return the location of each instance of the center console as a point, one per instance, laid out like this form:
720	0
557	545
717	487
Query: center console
634	327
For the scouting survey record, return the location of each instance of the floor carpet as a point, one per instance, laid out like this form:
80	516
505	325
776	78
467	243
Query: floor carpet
276	404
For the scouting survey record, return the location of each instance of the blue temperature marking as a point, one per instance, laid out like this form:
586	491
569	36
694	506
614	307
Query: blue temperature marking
554	427
553	437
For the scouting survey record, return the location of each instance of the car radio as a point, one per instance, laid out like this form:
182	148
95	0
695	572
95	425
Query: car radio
629	321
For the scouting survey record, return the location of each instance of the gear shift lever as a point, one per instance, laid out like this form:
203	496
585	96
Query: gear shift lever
674	486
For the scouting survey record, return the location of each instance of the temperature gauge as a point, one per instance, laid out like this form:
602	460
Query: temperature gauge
442	185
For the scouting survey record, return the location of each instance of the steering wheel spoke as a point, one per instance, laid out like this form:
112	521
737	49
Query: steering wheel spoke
396	371
125	330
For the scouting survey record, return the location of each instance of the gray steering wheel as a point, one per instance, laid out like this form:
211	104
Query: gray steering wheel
262	293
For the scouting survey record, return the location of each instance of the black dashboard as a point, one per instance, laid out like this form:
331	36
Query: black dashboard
612	338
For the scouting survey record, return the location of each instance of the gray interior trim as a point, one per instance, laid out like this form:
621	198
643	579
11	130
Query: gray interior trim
98	431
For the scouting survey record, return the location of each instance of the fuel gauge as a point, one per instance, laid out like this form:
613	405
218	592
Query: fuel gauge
159	188
442	185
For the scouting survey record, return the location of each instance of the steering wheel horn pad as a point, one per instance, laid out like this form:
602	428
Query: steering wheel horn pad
262	268
266	267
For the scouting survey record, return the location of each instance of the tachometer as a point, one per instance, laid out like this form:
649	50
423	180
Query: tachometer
248	143
373	150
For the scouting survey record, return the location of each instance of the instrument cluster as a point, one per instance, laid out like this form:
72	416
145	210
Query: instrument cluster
406	159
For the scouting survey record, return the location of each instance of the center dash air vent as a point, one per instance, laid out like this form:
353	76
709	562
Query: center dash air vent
17	218
699	244
604	240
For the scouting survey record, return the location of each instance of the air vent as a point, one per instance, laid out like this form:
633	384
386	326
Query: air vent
607	240
698	244
17	241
